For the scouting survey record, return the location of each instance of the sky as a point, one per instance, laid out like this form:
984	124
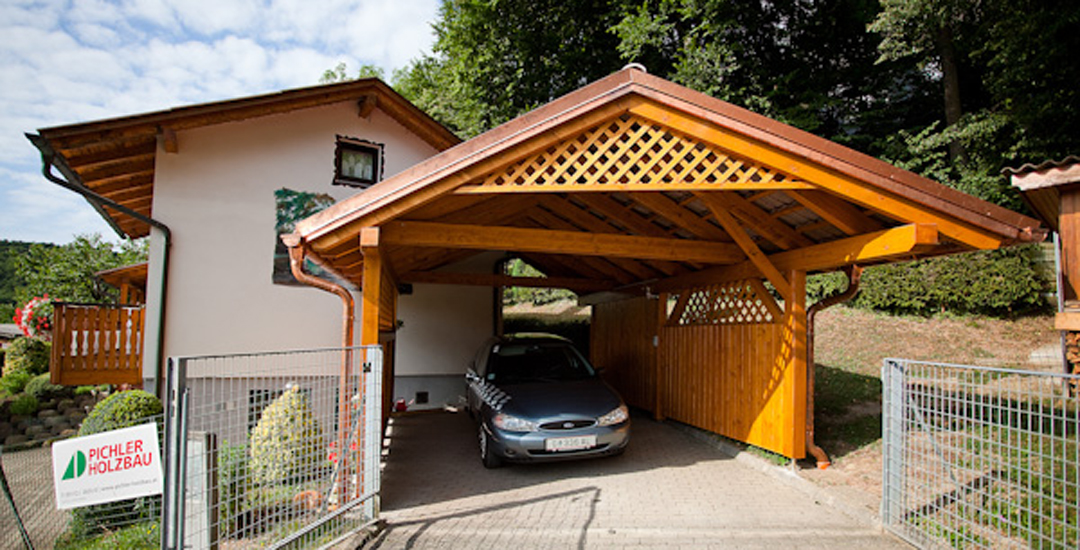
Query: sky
66	62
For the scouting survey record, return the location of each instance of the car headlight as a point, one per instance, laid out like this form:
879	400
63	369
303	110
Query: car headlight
512	423
616	416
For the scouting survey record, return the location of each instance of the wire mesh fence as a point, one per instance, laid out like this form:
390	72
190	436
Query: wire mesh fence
978	457
29	517
272	450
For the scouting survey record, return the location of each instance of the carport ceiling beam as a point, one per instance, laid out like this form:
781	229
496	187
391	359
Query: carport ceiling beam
491	279
756	256
900	242
578	243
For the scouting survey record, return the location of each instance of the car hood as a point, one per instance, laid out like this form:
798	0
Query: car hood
561	400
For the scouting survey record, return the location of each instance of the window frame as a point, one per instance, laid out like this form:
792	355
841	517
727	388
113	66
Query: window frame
351	144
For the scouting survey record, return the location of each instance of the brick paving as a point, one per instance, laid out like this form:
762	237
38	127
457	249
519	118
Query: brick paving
668	491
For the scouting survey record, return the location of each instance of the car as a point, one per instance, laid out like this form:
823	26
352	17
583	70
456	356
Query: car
537	399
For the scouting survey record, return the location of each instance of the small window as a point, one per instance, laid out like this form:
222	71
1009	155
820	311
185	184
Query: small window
357	163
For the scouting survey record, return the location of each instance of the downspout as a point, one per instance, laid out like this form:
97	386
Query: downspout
48	161
297	253
854	273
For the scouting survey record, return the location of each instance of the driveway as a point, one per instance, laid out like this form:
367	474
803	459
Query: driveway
669	490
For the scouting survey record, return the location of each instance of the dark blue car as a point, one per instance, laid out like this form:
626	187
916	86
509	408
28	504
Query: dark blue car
536	398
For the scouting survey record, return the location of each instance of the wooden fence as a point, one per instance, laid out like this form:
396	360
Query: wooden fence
96	344
717	358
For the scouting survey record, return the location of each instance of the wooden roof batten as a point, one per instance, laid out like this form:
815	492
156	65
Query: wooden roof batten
661	186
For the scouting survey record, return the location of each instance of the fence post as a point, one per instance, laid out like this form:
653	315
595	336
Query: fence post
893	437
172	505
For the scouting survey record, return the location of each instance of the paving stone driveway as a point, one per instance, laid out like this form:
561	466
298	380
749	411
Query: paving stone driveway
669	490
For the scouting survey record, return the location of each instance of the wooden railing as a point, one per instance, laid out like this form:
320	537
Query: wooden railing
96	344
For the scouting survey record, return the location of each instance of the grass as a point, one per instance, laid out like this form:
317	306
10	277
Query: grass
134	537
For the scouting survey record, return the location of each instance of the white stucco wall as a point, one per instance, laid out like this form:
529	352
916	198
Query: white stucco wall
217	196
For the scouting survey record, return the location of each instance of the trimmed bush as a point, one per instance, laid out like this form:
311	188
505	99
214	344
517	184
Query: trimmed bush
13	383
27	355
24	405
286	442
119	410
40	387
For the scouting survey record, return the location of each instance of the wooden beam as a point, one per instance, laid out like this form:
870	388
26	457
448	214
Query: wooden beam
557	242
756	256
793	354
372	288
836	211
491	279
621	214
899	242
760	221
168	140
367	104
634	187
679	216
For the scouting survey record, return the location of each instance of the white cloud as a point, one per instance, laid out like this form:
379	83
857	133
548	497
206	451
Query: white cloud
68	62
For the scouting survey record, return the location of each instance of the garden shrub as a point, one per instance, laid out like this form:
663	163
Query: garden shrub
13	383
24	405
286	441
41	388
28	355
232	486
119	410
997	283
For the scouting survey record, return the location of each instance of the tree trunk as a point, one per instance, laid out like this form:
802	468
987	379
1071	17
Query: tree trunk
951	79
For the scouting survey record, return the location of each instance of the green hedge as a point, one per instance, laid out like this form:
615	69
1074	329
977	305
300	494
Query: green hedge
28	355
996	283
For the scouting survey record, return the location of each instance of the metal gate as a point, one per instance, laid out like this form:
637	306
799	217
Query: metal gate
272	450
980	457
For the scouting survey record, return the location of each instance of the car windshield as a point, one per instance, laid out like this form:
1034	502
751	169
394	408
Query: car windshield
530	362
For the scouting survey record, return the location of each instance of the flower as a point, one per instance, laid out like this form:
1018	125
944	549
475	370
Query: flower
34	318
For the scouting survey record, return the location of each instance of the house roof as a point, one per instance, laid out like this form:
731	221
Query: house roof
134	274
115	157
633	180
1040	185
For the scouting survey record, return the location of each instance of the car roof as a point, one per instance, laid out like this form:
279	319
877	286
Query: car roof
533	337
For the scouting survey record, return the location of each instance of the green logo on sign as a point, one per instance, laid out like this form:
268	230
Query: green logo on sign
76	467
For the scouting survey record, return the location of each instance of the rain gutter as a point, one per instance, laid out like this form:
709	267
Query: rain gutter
854	273
49	160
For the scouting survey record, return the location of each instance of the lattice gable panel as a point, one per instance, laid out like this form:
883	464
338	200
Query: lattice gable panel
632	153
737	303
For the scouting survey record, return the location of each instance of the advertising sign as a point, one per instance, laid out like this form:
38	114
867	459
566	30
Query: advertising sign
106	467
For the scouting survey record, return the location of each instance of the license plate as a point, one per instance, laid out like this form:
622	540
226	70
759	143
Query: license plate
557	444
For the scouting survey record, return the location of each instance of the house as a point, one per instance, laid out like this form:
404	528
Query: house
689	223
223	180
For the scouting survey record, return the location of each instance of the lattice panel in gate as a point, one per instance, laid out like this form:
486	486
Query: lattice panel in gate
740	302
632	153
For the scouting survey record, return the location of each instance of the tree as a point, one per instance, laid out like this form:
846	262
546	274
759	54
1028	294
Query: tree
340	73
810	64
1005	72
494	60
67	272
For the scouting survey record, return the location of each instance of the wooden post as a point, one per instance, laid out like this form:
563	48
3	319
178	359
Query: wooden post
660	320
795	374
1069	229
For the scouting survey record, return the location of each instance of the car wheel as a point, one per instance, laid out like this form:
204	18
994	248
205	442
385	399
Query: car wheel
487	456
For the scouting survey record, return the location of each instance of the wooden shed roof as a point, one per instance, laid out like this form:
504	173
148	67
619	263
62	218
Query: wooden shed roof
636	180
115	158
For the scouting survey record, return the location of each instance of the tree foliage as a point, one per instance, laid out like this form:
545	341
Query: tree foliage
66	272
493	60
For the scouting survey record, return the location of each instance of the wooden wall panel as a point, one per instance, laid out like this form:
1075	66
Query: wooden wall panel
729	379
621	343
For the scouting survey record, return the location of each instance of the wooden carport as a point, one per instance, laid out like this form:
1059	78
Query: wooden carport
680	211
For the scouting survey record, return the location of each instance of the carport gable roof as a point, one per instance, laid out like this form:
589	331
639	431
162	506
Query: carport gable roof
635	179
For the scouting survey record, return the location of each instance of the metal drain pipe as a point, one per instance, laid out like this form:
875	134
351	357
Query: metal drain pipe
854	273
